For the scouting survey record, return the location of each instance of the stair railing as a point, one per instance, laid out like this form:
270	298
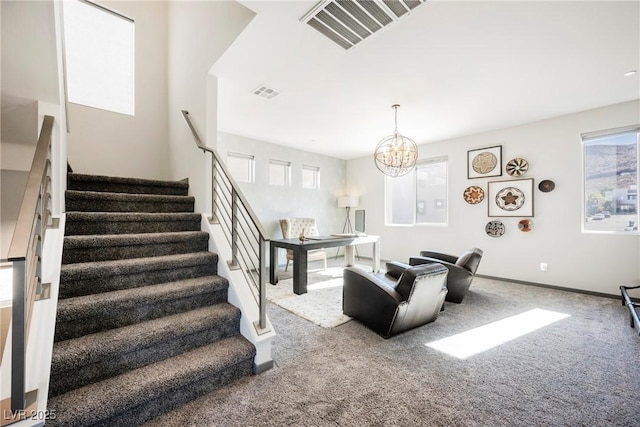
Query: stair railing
241	226
25	253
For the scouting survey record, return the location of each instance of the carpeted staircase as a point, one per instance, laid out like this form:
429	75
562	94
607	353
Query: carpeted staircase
143	323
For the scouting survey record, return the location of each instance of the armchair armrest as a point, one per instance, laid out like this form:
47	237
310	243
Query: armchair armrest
419	260
395	269
439	256
370	299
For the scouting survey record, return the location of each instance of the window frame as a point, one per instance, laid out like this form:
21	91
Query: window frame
251	168
315	170
77	62
286	172
599	135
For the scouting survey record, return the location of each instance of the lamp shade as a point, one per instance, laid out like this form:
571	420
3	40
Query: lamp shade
348	201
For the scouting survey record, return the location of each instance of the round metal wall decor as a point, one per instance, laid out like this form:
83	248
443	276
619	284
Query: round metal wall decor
484	162
517	167
525	225
546	186
473	195
510	199
495	228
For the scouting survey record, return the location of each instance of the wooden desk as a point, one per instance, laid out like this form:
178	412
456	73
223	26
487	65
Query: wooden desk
300	250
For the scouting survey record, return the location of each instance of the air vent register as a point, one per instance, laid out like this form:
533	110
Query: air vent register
348	22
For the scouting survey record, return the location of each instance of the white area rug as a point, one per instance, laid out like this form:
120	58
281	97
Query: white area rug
322	304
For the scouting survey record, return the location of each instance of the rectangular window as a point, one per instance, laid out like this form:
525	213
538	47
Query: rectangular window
241	166
310	176
99	57
611	181
419	197
279	172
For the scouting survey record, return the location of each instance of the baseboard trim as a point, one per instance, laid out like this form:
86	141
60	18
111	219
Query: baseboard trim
258	369
559	288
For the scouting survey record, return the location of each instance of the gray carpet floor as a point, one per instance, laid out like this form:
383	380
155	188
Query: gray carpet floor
583	370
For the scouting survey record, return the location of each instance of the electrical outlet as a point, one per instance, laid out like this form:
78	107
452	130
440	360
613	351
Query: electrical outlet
543	266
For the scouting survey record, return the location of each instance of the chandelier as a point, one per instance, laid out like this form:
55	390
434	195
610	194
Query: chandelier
396	155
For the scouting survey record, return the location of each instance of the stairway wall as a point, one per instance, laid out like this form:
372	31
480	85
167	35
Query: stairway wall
106	143
199	33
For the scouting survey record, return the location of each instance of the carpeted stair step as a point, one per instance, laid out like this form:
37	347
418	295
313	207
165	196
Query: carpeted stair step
105	276
92	201
87	223
145	393
79	249
112	184
96	357
96	313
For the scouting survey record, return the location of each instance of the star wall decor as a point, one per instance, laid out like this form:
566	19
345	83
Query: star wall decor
511	198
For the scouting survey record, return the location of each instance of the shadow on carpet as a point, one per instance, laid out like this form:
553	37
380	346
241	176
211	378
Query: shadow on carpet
322	304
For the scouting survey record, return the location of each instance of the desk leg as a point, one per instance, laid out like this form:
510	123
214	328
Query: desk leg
299	272
273	268
349	258
376	256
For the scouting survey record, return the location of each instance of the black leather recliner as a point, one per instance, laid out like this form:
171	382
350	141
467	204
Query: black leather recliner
462	269
390	306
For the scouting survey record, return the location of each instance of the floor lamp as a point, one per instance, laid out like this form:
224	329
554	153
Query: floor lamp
348	202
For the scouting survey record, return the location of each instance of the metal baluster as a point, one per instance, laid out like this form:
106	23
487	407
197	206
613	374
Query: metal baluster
234	230
18	331
214	191
263	284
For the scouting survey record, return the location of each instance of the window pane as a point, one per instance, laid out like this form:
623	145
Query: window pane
241	167
400	199
420	197
279	173
431	192
99	48
611	182
310	177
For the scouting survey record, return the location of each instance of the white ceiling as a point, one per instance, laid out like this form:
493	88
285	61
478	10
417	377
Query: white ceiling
456	68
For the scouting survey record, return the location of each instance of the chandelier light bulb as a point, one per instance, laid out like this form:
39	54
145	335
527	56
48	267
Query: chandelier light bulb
396	155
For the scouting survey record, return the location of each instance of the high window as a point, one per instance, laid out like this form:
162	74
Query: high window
310	176
99	57
611	181
241	166
419	197
279	172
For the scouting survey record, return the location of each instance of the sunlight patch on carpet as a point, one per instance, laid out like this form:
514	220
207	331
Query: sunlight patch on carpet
475	341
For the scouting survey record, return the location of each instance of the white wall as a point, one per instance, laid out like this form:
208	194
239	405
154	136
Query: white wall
107	143
199	33
29	67
274	202
590	262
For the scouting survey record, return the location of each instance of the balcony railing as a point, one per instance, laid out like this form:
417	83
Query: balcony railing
241	226
25	253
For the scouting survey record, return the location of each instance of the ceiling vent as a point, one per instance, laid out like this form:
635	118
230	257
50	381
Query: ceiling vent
266	92
348	22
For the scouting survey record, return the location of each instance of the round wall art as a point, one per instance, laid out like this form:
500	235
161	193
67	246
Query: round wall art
494	228
525	225
517	167
510	199
484	162
546	185
473	195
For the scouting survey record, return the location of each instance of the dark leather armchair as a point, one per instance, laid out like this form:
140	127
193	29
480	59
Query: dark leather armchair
390	306
461	269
